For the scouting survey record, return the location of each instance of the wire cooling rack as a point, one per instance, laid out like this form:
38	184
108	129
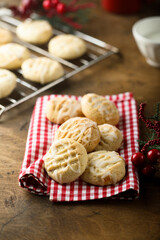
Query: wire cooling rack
97	50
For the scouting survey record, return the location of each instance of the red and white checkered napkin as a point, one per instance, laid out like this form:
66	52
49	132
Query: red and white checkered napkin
40	136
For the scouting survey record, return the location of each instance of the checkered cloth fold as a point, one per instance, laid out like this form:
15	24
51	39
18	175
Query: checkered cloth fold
40	137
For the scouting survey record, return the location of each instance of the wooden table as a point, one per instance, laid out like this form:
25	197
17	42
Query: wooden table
27	216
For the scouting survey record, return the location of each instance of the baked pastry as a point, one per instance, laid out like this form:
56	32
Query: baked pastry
66	160
104	168
12	55
42	70
5	36
67	46
60	109
7	82
99	109
34	31
82	130
111	138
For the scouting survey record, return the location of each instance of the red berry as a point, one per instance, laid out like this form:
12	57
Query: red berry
148	171
153	155
60	8
47	4
138	159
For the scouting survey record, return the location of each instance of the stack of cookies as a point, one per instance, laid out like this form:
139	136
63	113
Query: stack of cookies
86	142
40	69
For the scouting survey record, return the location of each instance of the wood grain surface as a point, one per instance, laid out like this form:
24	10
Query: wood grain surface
24	216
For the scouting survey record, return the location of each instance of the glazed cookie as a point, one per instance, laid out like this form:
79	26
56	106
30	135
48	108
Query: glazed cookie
12	55
7	82
82	130
111	138
66	160
60	109
34	31
42	70
67	46
5	36
99	109
104	168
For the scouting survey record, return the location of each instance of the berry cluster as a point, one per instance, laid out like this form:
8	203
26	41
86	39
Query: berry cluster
54	4
29	6
146	164
67	12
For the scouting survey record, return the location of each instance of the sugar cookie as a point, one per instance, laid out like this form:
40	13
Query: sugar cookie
34	31
82	130
67	46
7	82
12	55
5	36
42	70
60	109
104	168
99	109
111	138
66	160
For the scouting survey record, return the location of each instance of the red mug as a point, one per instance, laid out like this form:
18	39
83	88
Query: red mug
121	6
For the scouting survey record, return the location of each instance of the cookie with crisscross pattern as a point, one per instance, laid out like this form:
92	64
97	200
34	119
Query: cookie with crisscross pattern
66	160
82	130
60	109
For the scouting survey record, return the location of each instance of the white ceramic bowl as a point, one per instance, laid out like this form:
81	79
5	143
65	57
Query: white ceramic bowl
147	36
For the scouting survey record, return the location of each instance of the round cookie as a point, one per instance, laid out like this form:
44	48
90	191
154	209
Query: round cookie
34	31
42	70
60	109
5	36
111	138
104	168
82	130
7	82
99	109
12	55
67	46
66	160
